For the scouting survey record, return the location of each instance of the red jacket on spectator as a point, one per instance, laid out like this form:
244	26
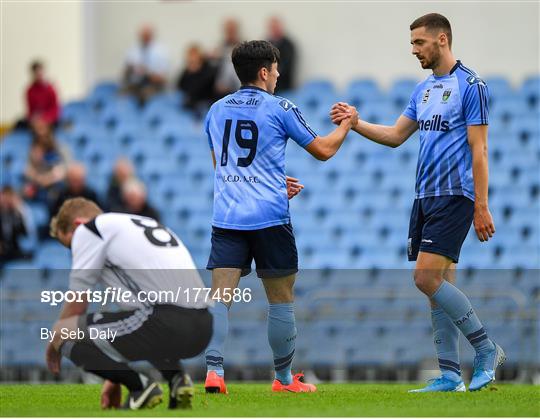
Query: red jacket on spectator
41	100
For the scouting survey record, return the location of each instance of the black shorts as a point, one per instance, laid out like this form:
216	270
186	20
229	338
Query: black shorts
439	225
154	333
273	248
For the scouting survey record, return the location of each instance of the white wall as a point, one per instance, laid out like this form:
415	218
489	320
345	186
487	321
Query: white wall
339	40
82	42
47	30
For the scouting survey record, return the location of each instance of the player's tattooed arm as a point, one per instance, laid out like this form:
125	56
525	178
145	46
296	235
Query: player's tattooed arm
483	221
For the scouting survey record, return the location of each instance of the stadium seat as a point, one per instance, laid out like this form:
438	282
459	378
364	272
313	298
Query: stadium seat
119	110
319	85
401	91
361	92
40	213
379	112
315	94
105	88
502	112
103	93
530	90
77	112
170	100
499	88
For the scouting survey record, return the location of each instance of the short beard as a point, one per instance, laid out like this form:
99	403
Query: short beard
434	62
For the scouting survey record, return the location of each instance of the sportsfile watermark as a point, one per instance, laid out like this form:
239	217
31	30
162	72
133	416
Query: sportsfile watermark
114	295
352	324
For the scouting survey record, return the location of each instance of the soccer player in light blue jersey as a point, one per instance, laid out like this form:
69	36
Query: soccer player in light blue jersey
248	132
450	109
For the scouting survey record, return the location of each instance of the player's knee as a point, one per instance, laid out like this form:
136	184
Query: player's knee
280	295
279	290
427	281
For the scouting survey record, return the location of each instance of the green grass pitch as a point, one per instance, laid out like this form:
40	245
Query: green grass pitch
251	399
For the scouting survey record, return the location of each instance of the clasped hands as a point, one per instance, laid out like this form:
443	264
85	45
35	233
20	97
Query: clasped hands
342	111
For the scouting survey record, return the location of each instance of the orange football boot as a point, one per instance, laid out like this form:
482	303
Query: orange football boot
297	385
215	384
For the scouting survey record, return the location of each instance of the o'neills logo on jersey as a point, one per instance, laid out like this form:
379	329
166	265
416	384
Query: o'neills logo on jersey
436	123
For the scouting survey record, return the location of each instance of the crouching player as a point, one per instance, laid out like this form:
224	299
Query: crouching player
139	255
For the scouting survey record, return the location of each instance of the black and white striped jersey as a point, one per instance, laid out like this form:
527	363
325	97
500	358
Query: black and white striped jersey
135	254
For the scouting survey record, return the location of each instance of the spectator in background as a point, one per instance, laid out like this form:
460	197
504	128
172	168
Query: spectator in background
46	167
41	99
226	79
74	187
145	72
287	53
123	171
197	80
14	224
134	200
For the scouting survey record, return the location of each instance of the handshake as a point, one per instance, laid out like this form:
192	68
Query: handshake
343	113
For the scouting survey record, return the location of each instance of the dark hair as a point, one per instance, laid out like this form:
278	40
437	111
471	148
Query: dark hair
35	65
249	57
432	22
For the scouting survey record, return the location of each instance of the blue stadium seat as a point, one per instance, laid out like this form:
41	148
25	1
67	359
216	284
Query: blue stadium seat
315	94
105	88
170	135
99	153
102	95
504	110
401	91
16	139
524	256
120	110
14	152
530	90
77	112
511	196
320	86
40	213
127	134
380	112
360	92
156	114
499	87
56	279
82	135
170	100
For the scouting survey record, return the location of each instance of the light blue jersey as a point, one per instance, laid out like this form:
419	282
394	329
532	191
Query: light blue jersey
444	107
248	132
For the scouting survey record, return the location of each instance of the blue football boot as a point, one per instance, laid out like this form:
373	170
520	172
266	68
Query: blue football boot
485	365
441	383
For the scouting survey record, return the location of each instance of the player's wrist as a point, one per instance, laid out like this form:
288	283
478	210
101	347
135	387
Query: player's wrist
480	205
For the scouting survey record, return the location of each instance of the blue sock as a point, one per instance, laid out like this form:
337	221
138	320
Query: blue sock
446	338
459	309
214	351
282	337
